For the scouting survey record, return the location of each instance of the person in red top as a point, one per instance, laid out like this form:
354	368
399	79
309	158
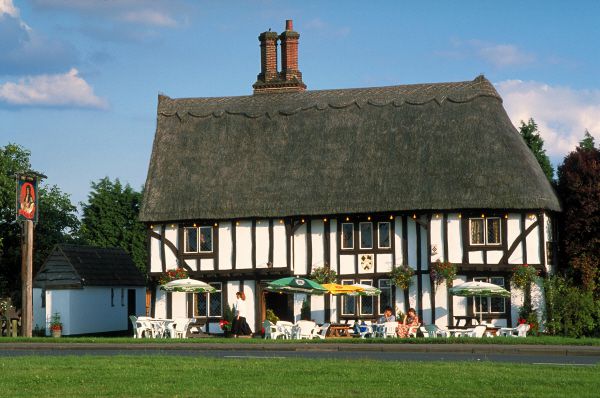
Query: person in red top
410	321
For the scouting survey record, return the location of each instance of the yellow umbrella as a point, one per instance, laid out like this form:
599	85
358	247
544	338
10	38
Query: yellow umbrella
336	288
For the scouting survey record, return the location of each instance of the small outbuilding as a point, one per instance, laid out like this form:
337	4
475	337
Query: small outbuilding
93	289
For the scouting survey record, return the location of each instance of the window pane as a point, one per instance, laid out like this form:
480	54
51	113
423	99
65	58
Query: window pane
206	239
476	231
366	235
385	298
366	302
215	300
201	304
497	280
497	304
493	231
348	302
384	235
347	236
484	304
191	240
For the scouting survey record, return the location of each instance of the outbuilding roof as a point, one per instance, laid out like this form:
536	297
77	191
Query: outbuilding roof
77	266
437	146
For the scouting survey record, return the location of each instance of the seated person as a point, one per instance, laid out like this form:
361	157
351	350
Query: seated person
387	316
410	321
361	328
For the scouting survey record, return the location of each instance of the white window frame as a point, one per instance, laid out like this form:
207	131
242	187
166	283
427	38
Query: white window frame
360	224
185	239
389	235
360	311
219	287
342	236
346	297
380	287
210	228
488	279
485	234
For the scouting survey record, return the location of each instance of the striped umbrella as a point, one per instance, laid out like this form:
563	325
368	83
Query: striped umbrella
365	290
336	288
188	285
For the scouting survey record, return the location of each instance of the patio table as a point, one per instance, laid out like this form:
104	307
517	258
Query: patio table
338	330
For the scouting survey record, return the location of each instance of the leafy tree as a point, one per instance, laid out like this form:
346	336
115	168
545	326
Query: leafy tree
110	219
587	142
535	142
57	220
579	191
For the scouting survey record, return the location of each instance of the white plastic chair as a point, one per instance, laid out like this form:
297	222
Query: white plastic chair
139	330
180	327
285	328
433	331
321	331
303	330
271	331
519	331
477	332
389	329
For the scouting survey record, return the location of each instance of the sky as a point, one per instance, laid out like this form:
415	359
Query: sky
79	79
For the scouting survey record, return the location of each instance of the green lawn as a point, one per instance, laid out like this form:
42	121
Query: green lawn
542	340
167	376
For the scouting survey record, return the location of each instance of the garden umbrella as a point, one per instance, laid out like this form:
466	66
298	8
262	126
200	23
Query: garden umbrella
365	290
336	288
188	285
479	289
292	284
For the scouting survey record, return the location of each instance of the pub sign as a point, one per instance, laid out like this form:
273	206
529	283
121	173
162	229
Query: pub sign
27	198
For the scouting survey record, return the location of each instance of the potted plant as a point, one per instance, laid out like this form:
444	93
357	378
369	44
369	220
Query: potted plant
227	322
323	274
443	272
401	276
56	325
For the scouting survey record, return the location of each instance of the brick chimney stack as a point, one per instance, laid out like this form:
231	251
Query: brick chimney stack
290	78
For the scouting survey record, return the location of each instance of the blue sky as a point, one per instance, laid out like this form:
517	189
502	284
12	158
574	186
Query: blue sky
79	79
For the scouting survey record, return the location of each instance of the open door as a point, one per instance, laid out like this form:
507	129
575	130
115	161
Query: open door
130	309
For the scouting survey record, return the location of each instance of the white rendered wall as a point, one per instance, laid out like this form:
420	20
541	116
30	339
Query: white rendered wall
533	241
426	297
441	305
279	245
225	245
171	232
455	244
513	230
207	264
317	229
412	242
89	310
424	253
346	264
249	291
192	263
476	257
262	243
333	243
317	308
243	243
299	250
437	240
494	256
155	263
179	305
459	303
298	299
160	307
398	241
384	262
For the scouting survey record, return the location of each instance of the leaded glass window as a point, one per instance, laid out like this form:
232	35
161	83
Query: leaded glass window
366	235
366	302
206	242
191	240
347	236
385	298
210	304
493	231
477	234
384	235
348	302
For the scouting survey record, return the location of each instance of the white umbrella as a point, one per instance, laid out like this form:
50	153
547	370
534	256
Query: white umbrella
188	285
364	290
479	289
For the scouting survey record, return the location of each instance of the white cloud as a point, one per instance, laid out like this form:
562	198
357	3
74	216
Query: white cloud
7	7
503	55
60	90
562	113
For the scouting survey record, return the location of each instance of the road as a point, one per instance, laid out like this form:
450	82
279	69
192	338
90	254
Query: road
541	358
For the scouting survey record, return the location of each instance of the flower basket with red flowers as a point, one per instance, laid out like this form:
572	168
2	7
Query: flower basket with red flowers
443	271
172	275
225	325
56	325
401	276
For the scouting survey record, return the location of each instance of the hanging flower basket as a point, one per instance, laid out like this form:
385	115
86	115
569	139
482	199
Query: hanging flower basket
523	275
179	273
323	275
443	272
401	276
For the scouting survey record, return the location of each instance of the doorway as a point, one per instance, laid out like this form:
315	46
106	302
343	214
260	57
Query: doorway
280	304
130	309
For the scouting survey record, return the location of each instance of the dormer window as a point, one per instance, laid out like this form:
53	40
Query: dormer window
198	240
485	231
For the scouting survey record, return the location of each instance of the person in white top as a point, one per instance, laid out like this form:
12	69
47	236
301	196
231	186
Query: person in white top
240	326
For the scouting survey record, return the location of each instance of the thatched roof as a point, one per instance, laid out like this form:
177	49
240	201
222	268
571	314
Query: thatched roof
401	148
76	266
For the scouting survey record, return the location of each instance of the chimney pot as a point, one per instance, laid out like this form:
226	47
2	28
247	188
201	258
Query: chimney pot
289	24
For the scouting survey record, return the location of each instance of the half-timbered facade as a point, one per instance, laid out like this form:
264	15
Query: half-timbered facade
244	190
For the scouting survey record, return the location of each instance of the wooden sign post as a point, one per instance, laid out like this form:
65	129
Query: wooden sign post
27	211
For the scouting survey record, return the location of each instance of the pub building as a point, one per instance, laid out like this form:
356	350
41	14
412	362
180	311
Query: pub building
244	190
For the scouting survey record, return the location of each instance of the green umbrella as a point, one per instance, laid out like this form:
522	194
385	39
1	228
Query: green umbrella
479	289
292	284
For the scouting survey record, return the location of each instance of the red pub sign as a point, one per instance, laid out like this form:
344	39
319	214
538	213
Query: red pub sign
27	198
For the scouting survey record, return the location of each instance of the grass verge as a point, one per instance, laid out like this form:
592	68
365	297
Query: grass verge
160	376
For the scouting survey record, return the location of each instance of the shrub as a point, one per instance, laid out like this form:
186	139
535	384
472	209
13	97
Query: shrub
270	316
323	275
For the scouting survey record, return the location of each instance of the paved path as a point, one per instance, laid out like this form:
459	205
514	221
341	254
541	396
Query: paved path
533	354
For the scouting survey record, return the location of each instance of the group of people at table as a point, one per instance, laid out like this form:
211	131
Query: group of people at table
410	323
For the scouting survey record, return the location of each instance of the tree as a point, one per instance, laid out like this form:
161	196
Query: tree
535	142
588	141
57	223
579	191
110	219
